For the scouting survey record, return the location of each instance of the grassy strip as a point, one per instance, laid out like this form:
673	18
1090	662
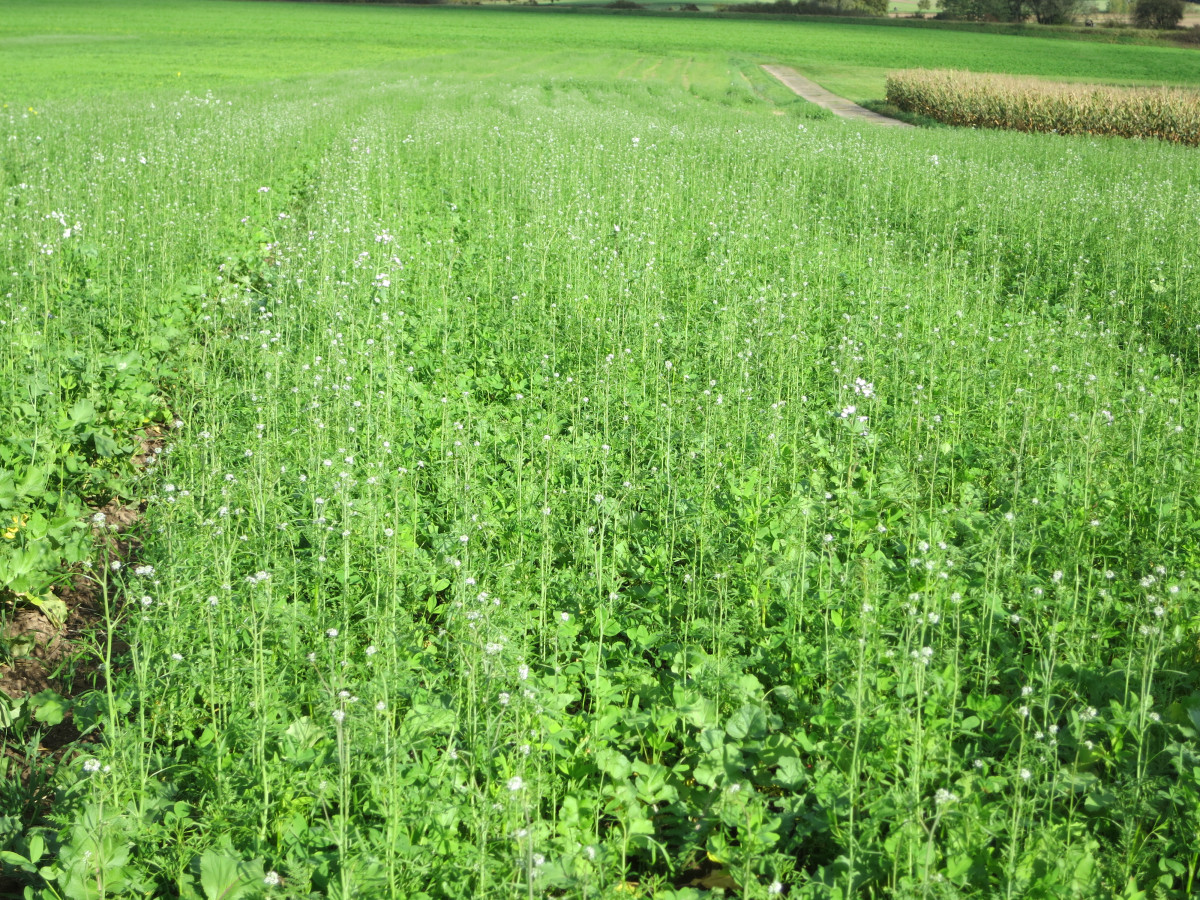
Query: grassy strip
1028	104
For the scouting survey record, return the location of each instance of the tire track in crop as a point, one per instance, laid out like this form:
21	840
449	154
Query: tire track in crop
839	106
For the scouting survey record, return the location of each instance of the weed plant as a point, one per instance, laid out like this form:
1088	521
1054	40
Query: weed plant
584	488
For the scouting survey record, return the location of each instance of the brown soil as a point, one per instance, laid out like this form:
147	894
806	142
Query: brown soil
63	658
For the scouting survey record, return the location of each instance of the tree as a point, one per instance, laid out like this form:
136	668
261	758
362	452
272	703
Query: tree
984	10
1157	13
1054	12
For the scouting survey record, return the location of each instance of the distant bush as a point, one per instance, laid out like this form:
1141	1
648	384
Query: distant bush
1157	13
1026	104
806	8
1045	12
624	4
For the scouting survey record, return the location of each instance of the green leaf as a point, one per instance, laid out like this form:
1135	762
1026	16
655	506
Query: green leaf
17	861
614	764
10	710
429	718
228	878
748	723
83	412
104	443
790	772
49	707
52	608
34	485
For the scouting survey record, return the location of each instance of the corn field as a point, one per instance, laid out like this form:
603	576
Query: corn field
1029	104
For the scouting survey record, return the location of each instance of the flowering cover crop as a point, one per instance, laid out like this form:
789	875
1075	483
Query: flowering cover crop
576	485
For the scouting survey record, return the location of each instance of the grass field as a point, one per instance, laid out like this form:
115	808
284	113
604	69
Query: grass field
587	472
76	47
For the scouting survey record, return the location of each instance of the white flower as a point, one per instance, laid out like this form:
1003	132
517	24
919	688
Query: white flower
339	715
331	633
272	878
943	796
91	765
516	783
1025	774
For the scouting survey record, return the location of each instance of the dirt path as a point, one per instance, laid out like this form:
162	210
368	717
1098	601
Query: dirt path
839	106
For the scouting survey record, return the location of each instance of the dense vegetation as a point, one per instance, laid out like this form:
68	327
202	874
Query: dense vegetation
579	485
1028	104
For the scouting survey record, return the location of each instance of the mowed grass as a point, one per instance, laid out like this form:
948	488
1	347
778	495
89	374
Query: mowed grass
77	47
580	480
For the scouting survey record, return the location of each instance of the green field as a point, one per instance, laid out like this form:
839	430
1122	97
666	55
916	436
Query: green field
578	468
81	48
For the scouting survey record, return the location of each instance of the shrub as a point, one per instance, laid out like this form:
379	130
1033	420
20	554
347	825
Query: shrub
1157	13
1027	104
806	8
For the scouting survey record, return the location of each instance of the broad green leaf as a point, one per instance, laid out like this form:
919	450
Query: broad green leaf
83	412
614	764
52	608
790	772
748	723
228	878
49	707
